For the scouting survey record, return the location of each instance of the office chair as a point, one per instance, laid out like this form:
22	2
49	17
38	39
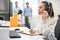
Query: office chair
59	16
57	30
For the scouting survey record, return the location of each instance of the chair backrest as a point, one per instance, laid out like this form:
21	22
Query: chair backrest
14	20
59	16
57	29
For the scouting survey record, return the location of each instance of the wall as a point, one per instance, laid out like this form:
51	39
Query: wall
4	9
56	6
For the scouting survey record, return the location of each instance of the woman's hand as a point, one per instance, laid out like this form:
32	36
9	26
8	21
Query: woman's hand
32	31
45	14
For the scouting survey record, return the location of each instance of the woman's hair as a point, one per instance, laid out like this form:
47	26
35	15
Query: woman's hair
27	3
20	12
16	2
49	8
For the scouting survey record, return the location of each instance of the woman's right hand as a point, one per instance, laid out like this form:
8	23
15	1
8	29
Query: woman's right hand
32	31
45	15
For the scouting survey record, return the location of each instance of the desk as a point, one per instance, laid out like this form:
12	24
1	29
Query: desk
4	33
27	37
4	23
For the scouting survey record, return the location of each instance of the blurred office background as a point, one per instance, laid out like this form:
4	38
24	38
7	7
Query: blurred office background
4	9
34	5
22	4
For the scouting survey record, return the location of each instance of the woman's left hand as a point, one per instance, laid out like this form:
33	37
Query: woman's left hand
32	31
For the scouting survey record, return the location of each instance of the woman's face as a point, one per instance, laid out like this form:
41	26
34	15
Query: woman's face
41	8
42	11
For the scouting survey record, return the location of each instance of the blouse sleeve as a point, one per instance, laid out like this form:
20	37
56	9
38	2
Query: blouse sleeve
35	24
19	19
52	24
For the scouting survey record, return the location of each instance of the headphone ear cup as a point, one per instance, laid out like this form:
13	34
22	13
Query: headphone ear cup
47	9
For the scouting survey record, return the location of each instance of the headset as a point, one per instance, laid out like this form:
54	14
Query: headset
48	7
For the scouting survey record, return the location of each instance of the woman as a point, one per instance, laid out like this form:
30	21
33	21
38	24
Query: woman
45	19
21	18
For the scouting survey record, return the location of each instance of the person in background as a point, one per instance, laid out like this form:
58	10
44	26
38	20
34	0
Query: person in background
21	18
45	20
16	8
27	13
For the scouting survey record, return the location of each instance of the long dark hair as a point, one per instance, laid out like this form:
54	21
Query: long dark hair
20	12
49	4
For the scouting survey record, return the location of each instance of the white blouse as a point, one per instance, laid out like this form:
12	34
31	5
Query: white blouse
38	25
21	19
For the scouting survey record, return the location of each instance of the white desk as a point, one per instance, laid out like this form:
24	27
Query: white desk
4	34
27	37
4	23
